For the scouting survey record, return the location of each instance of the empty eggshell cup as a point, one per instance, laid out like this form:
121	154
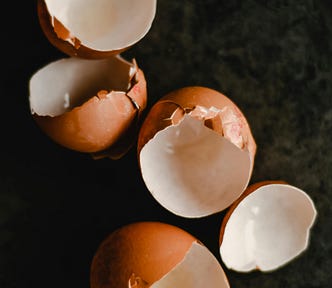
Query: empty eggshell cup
267	227
89	106
196	151
95	29
155	255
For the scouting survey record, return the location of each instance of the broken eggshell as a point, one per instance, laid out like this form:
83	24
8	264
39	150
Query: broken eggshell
95	29
155	255
90	106
267	227
196	151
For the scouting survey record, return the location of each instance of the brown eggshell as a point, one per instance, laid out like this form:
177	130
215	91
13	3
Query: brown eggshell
196	151
186	98
137	249
63	39
267	227
154	254
105	118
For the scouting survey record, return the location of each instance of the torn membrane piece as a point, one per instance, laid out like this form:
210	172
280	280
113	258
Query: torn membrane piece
267	227
95	29
136	282
196	151
156	255
89	105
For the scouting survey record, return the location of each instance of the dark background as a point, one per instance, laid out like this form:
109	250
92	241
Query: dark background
272	58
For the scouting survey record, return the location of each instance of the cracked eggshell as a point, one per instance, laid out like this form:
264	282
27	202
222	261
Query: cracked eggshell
90	106
196	151
95	29
155	255
267	227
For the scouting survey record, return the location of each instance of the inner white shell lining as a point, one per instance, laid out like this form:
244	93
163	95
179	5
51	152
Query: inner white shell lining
104	24
69	82
268	228
198	269
193	171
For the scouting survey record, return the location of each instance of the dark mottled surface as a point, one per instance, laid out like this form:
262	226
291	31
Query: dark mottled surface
273	58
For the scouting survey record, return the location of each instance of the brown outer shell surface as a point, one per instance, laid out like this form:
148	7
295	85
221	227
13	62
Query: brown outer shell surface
94	126
45	20
148	250
186	98
250	189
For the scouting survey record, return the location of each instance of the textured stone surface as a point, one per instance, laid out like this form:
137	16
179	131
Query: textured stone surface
273	58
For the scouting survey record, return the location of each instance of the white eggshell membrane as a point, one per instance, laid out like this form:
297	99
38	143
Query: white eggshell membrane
104	24
198	269
193	171
69	82
268	228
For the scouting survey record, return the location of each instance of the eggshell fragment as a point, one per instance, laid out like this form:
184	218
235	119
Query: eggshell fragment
196	151
267	227
156	255
90	106
95	29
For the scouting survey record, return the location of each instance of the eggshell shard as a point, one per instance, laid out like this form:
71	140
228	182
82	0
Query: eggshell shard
196	151
89	106
95	29
154	254
267	227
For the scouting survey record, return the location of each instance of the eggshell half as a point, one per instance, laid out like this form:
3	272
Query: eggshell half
267	227
154	254
89	105
95	29
196	151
